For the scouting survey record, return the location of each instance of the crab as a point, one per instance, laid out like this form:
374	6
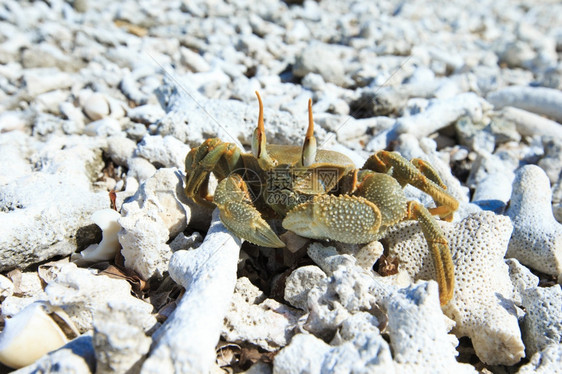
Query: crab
319	194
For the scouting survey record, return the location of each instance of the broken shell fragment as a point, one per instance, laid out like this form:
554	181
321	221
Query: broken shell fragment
32	333
106	219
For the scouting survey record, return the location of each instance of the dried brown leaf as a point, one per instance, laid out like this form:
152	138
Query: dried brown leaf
138	285
388	266
49	271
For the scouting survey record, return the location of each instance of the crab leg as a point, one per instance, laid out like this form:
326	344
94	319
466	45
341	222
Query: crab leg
212	156
439	249
240	216
428	170
425	180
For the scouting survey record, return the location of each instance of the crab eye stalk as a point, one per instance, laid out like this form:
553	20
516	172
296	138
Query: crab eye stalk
309	145
258	141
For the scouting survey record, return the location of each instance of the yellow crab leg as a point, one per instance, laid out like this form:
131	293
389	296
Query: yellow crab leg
239	215
406	173
211	156
439	248
428	170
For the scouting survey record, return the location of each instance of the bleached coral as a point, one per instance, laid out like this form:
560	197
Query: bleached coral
350	295
521	278
358	348
542	325
253	318
421	341
546	361
481	304
537	236
155	214
186	342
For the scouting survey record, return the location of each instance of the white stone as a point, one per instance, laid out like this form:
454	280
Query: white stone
193	60
305	354
531	124
12	120
300	282
40	80
25	284
418	332
157	212
537	236
103	127
165	151
29	335
120	149
42	211
96	106
323	59
546	361
140	168
521	278
77	356
146	114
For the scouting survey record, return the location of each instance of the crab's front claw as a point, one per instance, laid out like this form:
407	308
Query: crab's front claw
348	219
239	215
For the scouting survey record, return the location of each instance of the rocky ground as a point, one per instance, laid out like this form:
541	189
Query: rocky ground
107	265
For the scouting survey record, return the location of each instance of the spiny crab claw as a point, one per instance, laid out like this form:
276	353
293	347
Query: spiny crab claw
345	218
239	215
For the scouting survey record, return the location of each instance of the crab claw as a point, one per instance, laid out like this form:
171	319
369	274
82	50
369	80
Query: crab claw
239	215
348	219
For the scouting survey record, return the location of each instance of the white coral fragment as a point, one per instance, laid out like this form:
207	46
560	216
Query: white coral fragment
119	339
546	361
542	325
537	236
540	100
300	282
418	331
358	348
481	304
521	278
157	212
84	295
346	304
186	342
254	319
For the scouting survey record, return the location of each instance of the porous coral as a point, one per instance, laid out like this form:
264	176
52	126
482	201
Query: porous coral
481	305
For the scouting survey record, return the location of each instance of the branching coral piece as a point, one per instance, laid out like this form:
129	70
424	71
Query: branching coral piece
537	236
186	342
480	305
